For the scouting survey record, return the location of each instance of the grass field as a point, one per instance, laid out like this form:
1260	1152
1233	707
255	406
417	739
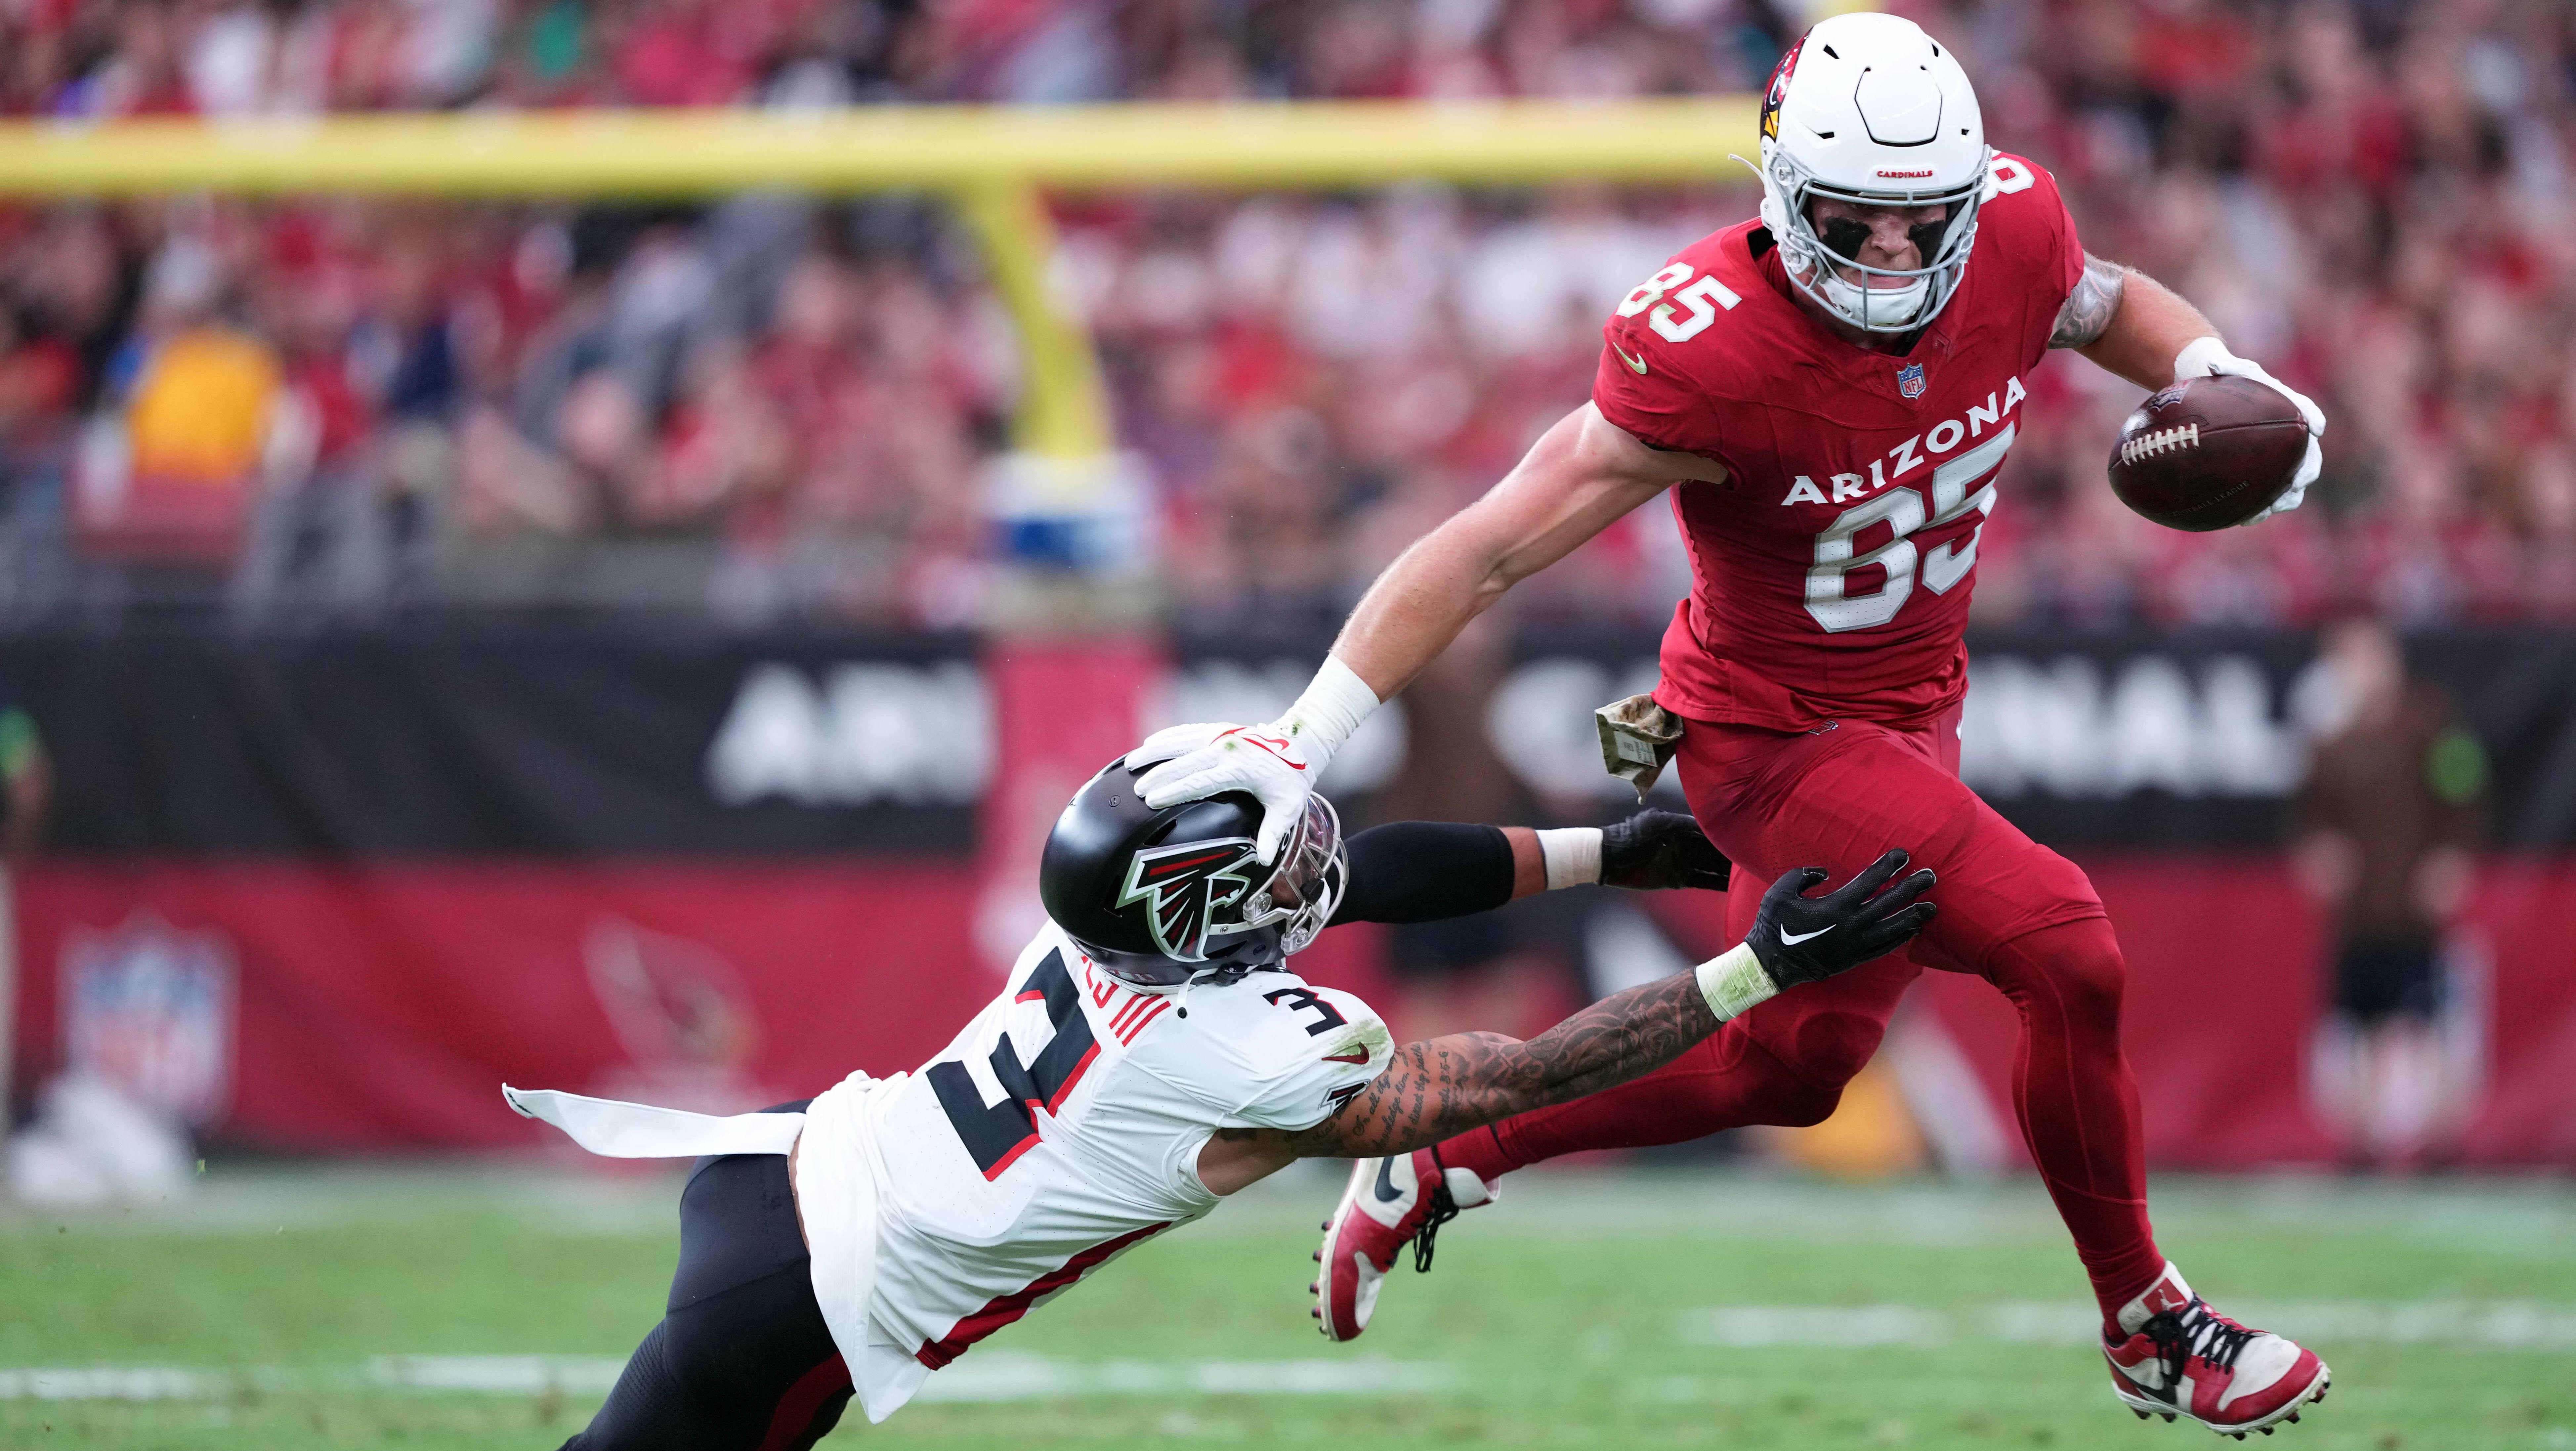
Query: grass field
403	1307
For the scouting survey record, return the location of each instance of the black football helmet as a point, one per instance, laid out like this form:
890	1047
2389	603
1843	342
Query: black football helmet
1157	898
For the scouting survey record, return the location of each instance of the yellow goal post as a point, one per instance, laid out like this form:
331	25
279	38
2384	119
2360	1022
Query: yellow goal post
993	162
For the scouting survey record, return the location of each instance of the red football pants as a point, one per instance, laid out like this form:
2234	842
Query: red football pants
2012	911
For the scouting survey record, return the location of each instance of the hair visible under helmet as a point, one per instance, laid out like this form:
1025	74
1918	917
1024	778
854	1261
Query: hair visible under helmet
1868	109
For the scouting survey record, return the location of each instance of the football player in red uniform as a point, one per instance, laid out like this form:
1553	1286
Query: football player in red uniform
1827	391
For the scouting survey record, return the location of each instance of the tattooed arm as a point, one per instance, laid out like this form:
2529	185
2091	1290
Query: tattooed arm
2127	322
1447	1085
1443	1086
2090	307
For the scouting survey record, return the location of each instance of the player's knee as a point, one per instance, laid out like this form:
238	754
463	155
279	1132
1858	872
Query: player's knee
2080	964
1801	1105
1822	1056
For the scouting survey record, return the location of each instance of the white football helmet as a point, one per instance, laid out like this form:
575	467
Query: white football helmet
1866	108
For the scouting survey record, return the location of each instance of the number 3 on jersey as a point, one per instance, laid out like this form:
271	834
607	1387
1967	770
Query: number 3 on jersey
997	1134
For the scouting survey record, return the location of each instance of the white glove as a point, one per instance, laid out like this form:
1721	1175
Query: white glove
1275	763
1172	741
2209	358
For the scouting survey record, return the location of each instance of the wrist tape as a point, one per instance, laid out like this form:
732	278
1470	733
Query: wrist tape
1335	703
1734	981
1572	854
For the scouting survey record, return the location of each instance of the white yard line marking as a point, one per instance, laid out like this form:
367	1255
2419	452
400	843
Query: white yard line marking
990	1376
2504	1325
2473	1324
103	1383
509	1374
1005	1376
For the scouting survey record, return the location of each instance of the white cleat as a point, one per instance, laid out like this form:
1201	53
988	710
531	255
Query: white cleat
2182	1358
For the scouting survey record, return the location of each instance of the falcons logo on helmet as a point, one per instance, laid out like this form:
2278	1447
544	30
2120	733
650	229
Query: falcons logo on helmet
1183	887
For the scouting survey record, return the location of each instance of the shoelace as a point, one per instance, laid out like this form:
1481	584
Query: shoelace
2197	1330
1443	1209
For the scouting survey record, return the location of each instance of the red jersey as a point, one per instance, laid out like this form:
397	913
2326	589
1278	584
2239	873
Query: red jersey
1831	570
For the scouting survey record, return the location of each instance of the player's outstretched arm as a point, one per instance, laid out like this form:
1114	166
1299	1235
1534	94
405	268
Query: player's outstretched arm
1425	871
1579	478
1582	475
1444	1086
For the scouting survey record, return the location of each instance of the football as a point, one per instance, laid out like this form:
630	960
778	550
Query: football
2208	453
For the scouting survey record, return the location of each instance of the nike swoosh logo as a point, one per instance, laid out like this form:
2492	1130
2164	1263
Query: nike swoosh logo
1386	1190
1792	939
1277	746
1637	365
1359	1057
2154	1389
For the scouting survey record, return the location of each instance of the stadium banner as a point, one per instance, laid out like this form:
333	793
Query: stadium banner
313	1007
2134	739
2235	1087
467	736
322	890
310	1007
534	737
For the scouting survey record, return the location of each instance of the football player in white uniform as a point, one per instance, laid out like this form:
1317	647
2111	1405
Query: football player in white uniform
1150	1053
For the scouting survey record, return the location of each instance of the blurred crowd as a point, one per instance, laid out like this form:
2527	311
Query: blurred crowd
776	407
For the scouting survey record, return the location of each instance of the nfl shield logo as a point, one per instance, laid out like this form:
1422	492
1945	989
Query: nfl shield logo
149	1007
1909	380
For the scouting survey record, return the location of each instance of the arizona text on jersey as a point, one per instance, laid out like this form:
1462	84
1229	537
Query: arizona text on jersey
1832	569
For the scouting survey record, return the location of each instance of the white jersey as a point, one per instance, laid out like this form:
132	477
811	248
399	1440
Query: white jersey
1061	1127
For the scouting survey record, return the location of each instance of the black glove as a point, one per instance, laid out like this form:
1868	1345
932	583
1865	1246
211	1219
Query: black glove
1798	938
1656	849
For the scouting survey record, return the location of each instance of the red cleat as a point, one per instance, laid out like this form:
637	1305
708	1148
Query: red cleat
2182	1358
1389	1203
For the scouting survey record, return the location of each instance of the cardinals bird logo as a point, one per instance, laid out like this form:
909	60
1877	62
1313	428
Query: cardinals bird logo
1183	888
1779	91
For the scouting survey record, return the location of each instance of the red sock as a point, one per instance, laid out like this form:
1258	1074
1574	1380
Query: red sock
1476	1149
2077	1102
